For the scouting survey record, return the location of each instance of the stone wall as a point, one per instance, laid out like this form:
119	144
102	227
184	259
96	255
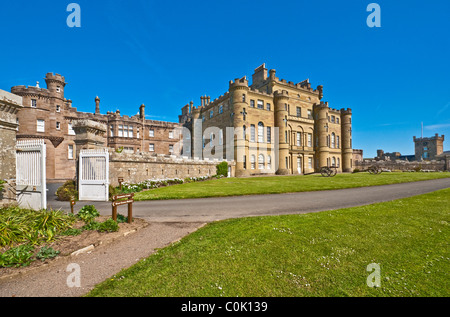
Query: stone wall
10	104
135	168
405	165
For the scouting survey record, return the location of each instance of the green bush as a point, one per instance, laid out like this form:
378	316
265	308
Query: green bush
68	191
19	225
46	253
222	169
17	256
88	213
108	226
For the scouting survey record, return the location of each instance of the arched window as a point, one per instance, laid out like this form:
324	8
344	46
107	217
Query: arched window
333	161
252	162
269	162
261	161
260	132
333	140
338	162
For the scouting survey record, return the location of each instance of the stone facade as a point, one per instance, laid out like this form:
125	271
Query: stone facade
310	133
428	148
48	115
138	167
10	105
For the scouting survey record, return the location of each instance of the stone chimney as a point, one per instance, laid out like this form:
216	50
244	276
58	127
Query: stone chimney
97	105
142	111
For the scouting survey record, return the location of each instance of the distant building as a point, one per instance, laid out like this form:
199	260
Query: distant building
357	155
381	156
428	148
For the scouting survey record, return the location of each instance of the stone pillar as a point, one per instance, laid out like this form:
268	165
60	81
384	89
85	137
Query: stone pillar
89	135
10	105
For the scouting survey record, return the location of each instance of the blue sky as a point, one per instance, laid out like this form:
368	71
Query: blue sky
167	53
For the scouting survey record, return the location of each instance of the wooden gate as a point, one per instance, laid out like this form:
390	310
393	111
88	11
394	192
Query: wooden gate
93	177
31	174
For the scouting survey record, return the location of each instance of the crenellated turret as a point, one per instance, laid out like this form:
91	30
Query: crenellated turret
346	132
239	104
322	149
55	85
281	99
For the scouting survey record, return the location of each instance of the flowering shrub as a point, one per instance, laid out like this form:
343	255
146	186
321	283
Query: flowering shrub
156	183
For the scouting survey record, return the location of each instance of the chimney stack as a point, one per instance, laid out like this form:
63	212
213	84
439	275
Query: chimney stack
142	111
97	105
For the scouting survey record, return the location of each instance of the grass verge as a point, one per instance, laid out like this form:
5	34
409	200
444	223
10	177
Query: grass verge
280	184
317	254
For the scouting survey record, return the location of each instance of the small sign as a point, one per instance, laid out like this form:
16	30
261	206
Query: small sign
123	202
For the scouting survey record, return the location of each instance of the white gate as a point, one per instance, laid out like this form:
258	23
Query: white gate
31	174
93	177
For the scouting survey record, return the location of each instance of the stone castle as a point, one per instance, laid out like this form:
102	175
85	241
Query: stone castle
310	135
48	115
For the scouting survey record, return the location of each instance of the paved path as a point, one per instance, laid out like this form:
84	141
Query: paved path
211	209
172	219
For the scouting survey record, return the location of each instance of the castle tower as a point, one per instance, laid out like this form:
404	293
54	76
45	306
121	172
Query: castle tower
323	150
55	85
281	112
239	96
428	148
346	132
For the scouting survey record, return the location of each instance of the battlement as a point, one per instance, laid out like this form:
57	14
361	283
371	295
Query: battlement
281	94
261	92
322	104
433	138
55	77
347	111
30	90
239	82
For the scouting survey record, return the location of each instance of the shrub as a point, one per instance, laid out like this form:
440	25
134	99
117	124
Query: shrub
19	225
108	226
93	225
17	256
46	253
67	191
356	170
88	213
222	169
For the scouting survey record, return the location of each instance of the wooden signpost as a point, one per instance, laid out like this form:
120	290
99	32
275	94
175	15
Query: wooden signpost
72	203
117	202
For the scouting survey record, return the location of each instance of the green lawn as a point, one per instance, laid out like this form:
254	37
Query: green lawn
280	184
317	254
